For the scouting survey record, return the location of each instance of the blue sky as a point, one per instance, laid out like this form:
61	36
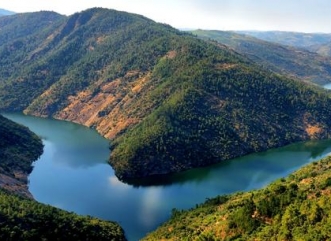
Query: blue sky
286	15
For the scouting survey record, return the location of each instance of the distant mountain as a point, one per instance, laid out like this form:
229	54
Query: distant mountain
167	100
294	208
295	62
322	49
295	39
4	12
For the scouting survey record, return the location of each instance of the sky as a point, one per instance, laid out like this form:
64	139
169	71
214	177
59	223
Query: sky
285	15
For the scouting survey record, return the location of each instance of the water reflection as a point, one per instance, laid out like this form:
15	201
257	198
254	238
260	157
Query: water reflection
75	144
274	160
73	174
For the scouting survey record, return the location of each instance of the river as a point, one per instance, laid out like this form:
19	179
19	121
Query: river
73	174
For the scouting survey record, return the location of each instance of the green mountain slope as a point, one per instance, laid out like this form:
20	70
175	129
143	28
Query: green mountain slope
296	39
24	219
166	100
294	62
321	49
19	147
295	208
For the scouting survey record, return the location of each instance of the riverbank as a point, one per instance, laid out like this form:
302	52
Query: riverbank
19	148
293	208
16	185
73	174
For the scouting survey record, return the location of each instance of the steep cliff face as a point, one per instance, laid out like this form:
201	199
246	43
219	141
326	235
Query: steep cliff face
166	100
110	110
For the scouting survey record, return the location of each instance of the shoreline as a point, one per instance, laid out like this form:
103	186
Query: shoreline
17	185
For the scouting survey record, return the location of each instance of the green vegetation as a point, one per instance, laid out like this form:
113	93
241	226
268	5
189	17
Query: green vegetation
24	219
167	100
19	147
294	208
294	62
218	114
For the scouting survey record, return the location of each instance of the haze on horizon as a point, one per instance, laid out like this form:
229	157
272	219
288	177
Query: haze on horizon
283	15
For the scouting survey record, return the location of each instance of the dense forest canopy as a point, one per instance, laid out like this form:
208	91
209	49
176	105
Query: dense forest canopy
24	219
19	147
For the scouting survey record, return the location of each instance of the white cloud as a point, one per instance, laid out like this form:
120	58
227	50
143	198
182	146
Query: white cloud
114	182
150	206
303	15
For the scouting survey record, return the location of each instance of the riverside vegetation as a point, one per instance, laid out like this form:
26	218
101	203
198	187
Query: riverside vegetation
167	100
292	208
19	147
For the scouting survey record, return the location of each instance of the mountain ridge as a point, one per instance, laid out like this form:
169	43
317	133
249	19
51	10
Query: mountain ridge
295	39
167	101
292	61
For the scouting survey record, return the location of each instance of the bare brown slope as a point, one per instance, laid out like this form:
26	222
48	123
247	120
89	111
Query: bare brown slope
111	110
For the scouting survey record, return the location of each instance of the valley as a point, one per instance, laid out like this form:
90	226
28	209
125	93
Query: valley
165	114
72	174
173	98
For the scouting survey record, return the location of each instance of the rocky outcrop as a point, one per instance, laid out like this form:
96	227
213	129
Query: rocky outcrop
16	185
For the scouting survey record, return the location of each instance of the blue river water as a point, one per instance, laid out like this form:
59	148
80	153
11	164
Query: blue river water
73	174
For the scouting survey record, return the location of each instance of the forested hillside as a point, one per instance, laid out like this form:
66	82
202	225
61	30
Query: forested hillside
24	219
291	61
294	208
322	49
166	100
19	147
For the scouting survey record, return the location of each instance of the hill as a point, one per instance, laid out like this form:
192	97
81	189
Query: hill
167	101
19	147
321	49
24	219
286	60
292	208
295	39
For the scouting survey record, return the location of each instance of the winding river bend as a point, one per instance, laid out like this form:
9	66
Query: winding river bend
73	174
